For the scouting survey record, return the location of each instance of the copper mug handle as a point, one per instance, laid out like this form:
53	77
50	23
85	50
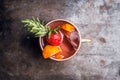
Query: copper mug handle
86	40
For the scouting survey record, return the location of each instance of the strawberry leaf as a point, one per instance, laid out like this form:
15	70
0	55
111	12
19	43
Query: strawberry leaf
49	33
55	31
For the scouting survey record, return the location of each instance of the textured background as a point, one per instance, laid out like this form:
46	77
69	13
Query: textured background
20	54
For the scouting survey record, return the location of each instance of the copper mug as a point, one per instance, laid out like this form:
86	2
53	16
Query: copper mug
58	22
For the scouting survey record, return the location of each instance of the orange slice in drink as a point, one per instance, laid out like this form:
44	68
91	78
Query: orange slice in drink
67	27
58	56
50	50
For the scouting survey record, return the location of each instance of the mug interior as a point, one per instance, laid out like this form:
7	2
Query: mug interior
69	54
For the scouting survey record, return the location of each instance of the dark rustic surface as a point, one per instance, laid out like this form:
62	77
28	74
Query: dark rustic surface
20	54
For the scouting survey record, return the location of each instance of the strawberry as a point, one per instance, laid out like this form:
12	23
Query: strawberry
54	36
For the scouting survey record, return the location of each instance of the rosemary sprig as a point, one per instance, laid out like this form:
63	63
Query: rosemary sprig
35	26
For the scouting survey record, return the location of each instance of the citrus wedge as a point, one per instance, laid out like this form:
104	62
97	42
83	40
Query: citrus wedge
67	27
50	50
58	56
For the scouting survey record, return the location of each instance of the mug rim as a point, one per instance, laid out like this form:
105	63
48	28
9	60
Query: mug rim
78	35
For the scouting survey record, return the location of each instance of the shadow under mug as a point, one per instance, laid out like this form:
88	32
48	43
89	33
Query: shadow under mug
58	22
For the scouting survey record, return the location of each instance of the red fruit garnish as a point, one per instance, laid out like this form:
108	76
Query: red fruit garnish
55	38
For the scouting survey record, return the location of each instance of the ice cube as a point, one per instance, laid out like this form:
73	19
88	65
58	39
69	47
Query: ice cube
72	38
